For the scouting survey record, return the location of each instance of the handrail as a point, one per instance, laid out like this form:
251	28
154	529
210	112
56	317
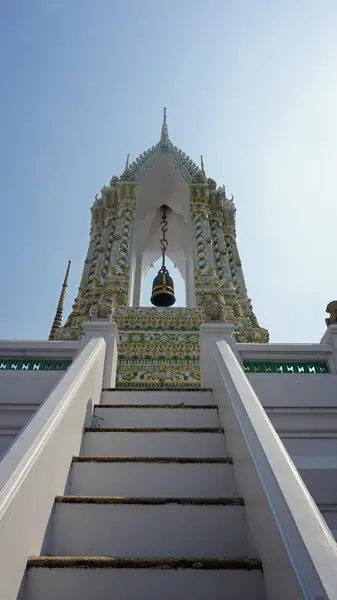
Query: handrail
298	551
36	467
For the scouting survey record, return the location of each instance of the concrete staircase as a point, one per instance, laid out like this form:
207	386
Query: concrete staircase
152	510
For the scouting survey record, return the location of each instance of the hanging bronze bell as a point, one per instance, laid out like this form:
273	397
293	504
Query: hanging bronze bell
163	289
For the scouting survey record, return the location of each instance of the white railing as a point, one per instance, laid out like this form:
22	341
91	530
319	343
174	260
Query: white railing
36	467
288	353
287	531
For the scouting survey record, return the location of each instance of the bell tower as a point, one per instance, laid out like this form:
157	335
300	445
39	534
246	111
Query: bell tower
162	205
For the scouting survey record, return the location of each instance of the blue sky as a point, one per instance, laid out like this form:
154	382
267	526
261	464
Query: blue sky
249	84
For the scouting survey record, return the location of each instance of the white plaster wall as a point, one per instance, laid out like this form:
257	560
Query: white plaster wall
128	584
31	387
303	410
148	530
157	417
295	390
27	387
179	444
156	397
297	549
36	467
136	479
21	394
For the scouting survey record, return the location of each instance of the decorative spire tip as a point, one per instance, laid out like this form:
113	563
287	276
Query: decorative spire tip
202	165
57	323
164	138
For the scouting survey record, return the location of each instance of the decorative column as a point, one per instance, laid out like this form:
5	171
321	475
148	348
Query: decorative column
235	265
93	256
219	245
207	285
119	270
137	282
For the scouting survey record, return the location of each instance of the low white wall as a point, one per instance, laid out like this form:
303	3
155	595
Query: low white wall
288	353
36	467
27	387
31	387
304	390
288	533
23	391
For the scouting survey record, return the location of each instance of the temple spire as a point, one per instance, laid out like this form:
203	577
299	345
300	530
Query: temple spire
202	166
127	163
164	138
57	323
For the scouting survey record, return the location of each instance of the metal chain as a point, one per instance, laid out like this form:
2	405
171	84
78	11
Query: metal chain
163	241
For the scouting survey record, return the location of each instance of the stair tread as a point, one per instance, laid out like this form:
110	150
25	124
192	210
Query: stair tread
223	501
153	429
158	389
101	562
161	406
153	459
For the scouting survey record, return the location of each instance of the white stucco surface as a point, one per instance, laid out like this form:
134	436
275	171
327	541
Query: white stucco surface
22	392
36	467
128	584
295	390
297	549
179	444
152	479
148	530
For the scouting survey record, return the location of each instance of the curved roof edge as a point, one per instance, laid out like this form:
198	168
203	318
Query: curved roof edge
189	170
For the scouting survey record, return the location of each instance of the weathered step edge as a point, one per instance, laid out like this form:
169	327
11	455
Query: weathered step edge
158	389
228	501
161	406
97	562
152	459
153	430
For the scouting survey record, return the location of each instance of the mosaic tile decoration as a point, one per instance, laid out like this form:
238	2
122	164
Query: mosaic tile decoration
159	348
289	367
34	364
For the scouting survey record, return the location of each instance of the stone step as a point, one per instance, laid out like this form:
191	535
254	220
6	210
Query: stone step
110	526
164	442
78	578
106	476
155	416
157	397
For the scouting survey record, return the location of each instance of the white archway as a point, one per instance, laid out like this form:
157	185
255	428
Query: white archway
162	183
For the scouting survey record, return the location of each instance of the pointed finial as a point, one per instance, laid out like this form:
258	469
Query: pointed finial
127	162
164	138
57	323
202	166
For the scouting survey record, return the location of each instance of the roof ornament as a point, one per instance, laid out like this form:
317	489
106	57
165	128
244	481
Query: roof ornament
164	138
127	162
202	166
127	175
57	323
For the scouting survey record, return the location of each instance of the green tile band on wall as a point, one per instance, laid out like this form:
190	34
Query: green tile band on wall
34	364
315	368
